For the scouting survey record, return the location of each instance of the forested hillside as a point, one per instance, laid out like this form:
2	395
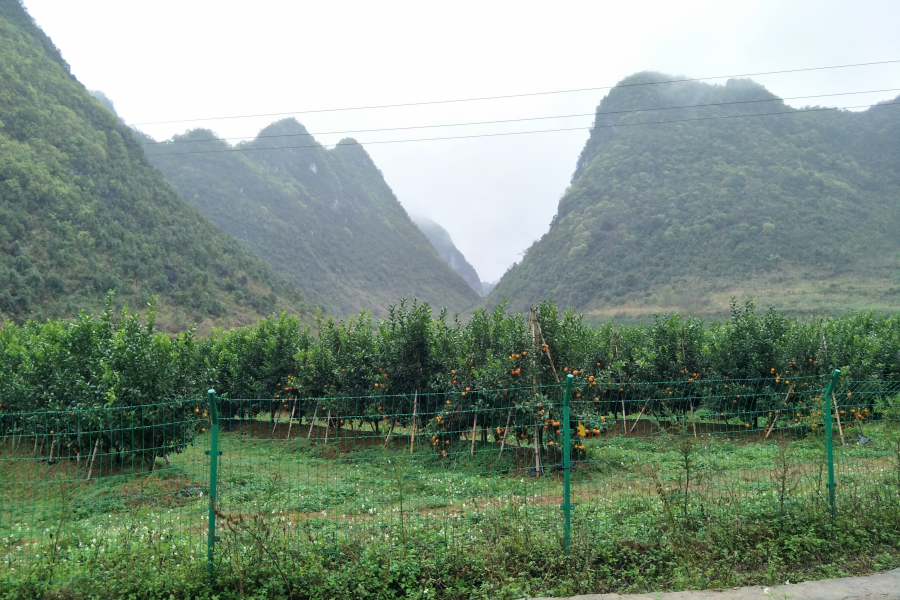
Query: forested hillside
325	219
448	251
82	211
799	210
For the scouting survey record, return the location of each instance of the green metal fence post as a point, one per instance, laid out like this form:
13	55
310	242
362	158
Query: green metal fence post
829	445
213	479
567	467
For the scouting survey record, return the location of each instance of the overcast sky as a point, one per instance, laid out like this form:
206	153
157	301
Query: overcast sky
186	60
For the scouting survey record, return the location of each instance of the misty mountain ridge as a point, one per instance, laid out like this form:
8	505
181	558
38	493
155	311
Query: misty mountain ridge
798	209
449	253
82	211
323	218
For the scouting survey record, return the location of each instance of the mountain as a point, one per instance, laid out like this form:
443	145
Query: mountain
323	218
488	286
448	252
104	100
82	210
798	209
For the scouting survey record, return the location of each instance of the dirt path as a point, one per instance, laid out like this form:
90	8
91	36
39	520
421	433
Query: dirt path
880	586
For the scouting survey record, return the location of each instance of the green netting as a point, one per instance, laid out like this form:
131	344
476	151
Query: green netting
84	487
647	461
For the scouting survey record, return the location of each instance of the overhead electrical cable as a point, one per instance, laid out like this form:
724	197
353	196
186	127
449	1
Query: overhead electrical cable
525	95
485	135
592	114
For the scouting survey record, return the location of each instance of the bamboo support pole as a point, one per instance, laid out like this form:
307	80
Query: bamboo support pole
786	396
837	414
327	426
537	432
93	457
412	433
640	415
693	422
387	438
505	433
312	421
291	421
772	424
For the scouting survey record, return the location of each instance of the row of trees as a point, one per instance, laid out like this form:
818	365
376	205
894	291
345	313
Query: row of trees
144	390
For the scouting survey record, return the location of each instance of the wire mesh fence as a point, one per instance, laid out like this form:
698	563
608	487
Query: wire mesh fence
561	465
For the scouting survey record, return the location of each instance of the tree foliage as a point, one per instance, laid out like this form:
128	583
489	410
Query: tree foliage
413	362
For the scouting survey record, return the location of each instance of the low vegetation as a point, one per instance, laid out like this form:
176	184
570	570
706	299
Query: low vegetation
332	510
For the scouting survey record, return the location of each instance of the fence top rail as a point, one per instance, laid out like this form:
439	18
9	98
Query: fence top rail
131	408
862	386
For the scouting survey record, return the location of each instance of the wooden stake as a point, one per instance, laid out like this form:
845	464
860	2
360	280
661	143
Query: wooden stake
693	423
786	396
616	344
291	421
94	456
537	447
505	433
859	424
639	415
52	448
274	426
387	438
624	424
772	425
837	413
537	453
166	458
412	433
327	426
313	421
547	351
474	427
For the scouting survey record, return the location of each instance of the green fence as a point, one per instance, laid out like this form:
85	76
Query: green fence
88	492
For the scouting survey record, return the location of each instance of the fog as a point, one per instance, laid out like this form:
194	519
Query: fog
193	62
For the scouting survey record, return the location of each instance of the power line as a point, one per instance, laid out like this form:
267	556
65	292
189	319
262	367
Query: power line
613	112
589	89
484	135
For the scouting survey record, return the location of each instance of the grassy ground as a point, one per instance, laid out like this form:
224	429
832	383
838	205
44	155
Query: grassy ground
360	515
794	293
